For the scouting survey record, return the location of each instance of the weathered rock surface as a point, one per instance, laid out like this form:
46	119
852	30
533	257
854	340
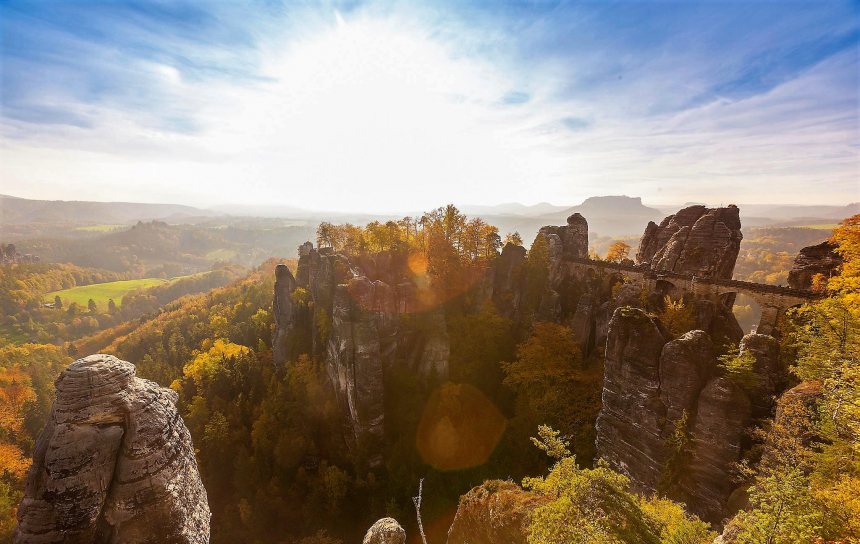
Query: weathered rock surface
114	463
818	259
573	237
630	423
686	364
349	312
509	280
697	240
385	531
771	377
722	416
494	512
651	387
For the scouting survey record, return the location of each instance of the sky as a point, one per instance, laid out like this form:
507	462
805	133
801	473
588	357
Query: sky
392	106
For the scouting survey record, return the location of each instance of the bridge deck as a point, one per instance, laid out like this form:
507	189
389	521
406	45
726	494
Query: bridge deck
645	271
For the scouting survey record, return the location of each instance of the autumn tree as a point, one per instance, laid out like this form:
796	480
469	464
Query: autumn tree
514	238
677	316
618	251
554	386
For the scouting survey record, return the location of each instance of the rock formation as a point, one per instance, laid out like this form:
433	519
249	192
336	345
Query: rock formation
818	259
350	312
494	512
631	420
654	388
509	280
771	378
697	240
570	240
114	463
385	531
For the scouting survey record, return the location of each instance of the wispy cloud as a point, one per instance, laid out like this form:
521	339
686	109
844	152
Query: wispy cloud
391	106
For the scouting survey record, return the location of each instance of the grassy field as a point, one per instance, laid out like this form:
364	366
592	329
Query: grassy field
221	255
101	292
100	228
823	226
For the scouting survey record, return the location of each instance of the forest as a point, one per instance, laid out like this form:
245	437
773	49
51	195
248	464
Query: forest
268	437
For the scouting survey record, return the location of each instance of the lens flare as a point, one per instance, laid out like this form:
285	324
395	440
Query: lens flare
460	428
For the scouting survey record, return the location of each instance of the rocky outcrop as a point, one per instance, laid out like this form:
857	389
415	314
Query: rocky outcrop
770	377
495	511
669	419
629	427
812	260
385	531
349	312
697	240
114	463
509	280
722	416
572	239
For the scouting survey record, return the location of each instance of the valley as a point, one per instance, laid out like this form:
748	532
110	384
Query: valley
428	349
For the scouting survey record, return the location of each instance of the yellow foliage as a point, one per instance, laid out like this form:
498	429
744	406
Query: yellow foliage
677	316
15	392
13	461
618	251
847	237
207	363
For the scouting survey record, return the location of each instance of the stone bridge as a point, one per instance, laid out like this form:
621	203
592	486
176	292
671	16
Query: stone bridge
774	300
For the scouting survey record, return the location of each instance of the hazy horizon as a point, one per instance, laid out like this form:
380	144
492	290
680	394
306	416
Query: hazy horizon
398	106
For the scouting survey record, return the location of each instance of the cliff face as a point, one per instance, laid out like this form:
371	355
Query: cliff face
818	259
358	315
114	463
697	240
656	389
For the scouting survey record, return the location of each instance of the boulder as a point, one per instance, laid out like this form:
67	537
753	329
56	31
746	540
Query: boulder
385	531
114	463
494	512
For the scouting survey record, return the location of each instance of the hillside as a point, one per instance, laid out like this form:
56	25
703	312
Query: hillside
14	210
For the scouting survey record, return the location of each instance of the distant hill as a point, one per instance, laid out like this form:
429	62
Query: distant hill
513	208
16	211
611	215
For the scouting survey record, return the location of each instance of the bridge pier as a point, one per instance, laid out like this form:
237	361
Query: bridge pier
769	321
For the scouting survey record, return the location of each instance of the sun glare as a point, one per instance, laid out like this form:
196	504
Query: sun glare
382	110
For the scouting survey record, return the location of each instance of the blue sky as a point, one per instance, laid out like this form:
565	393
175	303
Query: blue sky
402	106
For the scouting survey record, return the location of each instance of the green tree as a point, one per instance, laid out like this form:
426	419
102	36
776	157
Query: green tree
91	306
590	506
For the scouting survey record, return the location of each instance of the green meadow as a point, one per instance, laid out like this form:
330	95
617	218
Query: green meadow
100	228
101	292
